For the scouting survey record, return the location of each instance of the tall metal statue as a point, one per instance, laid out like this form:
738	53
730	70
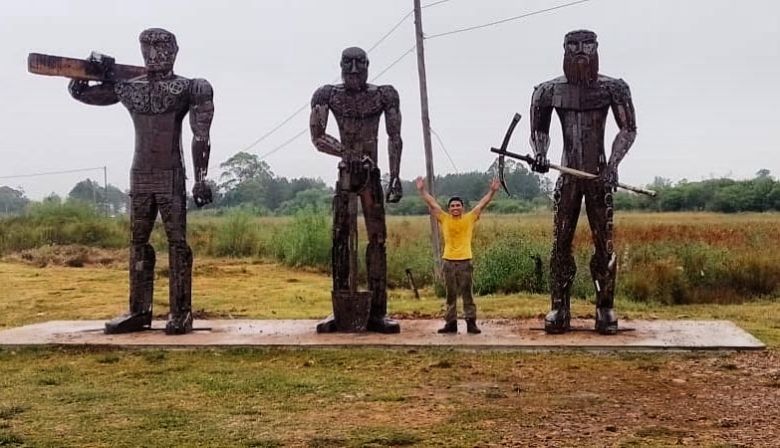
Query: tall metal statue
357	107
582	99
157	100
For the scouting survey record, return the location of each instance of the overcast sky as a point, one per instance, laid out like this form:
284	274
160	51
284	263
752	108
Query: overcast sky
703	73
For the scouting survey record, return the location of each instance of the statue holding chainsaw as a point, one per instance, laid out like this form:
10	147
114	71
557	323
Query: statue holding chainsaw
357	107
157	100
582	99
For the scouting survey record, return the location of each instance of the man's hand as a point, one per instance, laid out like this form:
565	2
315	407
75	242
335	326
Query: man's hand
610	176
394	192
541	164
201	193
420	184
495	184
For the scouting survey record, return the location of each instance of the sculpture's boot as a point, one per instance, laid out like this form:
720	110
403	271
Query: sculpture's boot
471	326
563	269
449	327
604	279
142	260
180	316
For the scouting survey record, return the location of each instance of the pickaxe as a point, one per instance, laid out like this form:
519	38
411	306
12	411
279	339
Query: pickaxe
502	152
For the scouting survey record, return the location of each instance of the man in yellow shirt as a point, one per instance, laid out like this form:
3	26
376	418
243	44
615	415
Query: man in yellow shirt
457	228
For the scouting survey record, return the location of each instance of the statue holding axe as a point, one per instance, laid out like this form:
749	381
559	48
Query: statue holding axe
582	99
157	100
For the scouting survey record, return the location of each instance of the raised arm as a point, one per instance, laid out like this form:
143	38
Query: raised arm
201	115
392	105
318	123
430	201
494	186
623	110
541	114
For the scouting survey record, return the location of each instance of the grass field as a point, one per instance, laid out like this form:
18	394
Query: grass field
369	397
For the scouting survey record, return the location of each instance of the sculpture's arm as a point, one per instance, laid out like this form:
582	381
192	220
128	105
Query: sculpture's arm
392	107
623	110
318	124
201	115
541	115
101	94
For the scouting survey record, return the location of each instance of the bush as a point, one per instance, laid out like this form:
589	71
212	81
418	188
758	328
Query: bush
237	236
306	241
509	266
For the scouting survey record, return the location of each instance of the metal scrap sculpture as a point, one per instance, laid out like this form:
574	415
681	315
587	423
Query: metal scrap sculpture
358	107
582	99
157	100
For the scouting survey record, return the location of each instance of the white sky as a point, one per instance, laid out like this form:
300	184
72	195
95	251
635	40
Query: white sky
703	73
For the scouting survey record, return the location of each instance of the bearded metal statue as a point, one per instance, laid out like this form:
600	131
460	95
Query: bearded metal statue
358	107
158	102
582	99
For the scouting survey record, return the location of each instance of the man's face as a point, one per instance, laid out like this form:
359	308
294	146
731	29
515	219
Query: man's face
159	49
354	68
455	208
580	57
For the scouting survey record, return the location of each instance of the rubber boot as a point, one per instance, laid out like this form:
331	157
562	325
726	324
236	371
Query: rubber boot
471	326
449	327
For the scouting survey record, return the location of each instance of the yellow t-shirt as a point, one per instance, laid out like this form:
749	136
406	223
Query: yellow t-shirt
457	234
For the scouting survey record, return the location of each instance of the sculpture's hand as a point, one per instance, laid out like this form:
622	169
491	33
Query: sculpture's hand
201	193
541	164
77	86
394	192
610	176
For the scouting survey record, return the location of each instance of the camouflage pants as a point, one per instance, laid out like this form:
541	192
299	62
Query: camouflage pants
457	280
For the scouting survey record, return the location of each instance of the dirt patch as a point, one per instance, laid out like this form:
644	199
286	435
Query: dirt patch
75	256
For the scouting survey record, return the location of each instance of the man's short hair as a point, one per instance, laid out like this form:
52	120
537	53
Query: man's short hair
455	199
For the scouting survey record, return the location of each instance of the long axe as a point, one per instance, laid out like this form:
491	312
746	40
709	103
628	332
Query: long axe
502	152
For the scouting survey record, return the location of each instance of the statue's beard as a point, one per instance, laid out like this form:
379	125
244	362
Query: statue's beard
355	81
581	69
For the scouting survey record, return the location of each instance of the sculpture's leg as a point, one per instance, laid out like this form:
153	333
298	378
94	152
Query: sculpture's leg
603	263
566	208
339	252
143	211
376	256
173	210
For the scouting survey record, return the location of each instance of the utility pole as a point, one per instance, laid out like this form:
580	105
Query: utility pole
426	127
105	188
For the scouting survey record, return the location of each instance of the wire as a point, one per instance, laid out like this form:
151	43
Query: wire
433	4
49	173
392	64
282	145
387	34
509	19
436	134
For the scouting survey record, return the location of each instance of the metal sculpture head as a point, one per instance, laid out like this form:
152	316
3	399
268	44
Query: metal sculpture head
354	68
159	49
581	57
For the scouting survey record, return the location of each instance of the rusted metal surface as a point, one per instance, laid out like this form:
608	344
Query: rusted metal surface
582	99
157	101
357	107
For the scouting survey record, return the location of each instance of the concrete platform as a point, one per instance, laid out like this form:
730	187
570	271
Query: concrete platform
496	334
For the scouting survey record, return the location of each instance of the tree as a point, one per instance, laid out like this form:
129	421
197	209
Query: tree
243	167
12	200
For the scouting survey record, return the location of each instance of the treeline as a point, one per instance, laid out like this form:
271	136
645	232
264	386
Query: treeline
760	194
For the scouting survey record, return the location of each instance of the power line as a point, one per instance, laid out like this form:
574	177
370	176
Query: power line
392	64
282	145
433	4
509	19
441	144
50	173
